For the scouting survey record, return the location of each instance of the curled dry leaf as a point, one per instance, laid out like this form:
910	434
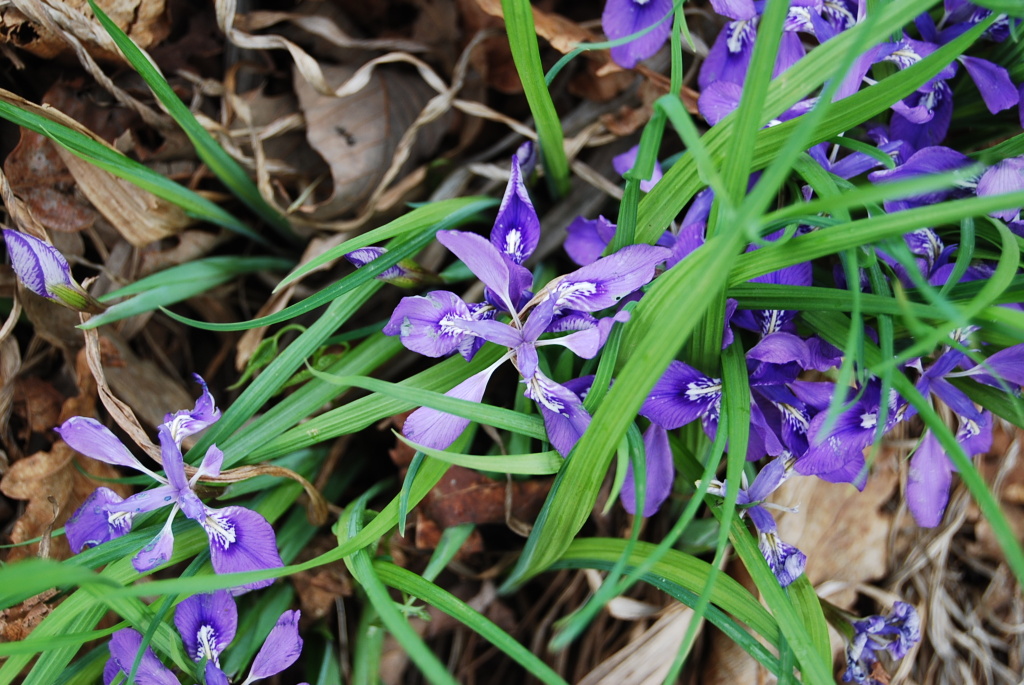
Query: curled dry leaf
39	26
357	135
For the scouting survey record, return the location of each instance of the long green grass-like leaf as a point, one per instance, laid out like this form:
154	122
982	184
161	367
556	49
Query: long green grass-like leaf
213	155
420	218
32	576
684	576
180	283
522	39
667	199
412	584
114	162
361	566
829	325
535	464
674	302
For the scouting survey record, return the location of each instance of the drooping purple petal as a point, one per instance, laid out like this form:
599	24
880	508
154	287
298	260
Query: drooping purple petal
436	429
780	348
659	474
94	440
682	395
281	649
1007	364
934	107
768	479
627	160
497	271
157	551
993	81
241	540
1005	177
427	323
93	523
215	676
211	464
564	416
734	9
207	624
785	561
516	231
600	285
185	423
623	18
39	266
124	647
926	161
928	482
147	500
586	239
718	100
729	56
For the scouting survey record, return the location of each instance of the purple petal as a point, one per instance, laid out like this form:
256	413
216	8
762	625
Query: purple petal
526	155
426	324
490	265
436	429
954	398
768	480
993	82
215	676
682	395
729	56
718	100
37	264
780	348
211	464
623	18
495	331
157	551
93	439
93	523
174	463
207	624
791	50
241	540
185	423
938	103
928	482
564	416
927	161
975	436
1004	177
586	239
786	561
147	500
659	473
601	284
1007	364
281	649
124	647
627	160
364	255
734	9
587	343
516	231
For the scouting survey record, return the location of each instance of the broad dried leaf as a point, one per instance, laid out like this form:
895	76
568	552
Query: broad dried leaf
18	622
42	27
38	404
647	658
357	135
843	532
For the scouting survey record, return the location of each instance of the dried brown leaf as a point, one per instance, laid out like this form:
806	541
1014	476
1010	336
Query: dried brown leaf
145	21
38	404
357	135
18	622
646	659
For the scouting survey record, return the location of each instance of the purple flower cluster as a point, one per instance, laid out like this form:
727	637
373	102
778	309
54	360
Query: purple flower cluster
240	539
896	633
441	323
207	624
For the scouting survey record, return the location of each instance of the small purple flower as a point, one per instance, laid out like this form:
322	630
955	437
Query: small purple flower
405	274
896	633
42	269
240	539
623	18
516	230
208	623
785	561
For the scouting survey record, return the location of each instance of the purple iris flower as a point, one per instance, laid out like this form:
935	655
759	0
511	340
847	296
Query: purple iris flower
786	561
729	57
240	539
623	18
683	395
896	633
838	456
42	269
564	304
207	624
